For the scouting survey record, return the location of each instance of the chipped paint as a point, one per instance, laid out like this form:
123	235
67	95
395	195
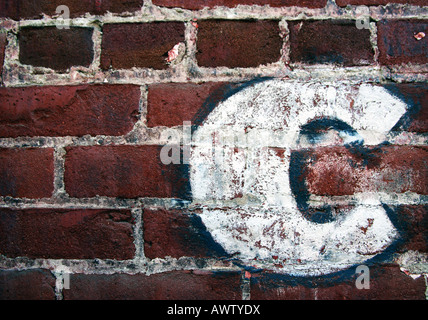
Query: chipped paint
251	137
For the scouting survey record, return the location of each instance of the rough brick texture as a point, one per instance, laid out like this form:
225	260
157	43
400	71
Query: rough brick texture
238	43
143	45
122	171
26	173
34	284
345	171
58	49
197	5
386	283
22	9
66	234
330	42
3	43
179	285
177	234
68	110
398	44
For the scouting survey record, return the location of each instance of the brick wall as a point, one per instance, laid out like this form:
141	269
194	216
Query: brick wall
88	104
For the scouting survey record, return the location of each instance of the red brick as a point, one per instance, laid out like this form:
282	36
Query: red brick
66	234
330	42
24	9
34	284
386	283
171	104
3	43
177	234
142	45
26	173
123	171
340	171
397	43
238	43
58	49
197	5
344	3
68	110
177	285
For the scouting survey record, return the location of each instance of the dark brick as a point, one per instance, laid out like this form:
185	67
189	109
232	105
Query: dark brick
386	283
397	43
238	43
197	5
170	104
34	284
58	49
344	3
330	42
26	173
24	9
123	171
412	223
66	234
68	110
340	171
176	234
177	285
142	45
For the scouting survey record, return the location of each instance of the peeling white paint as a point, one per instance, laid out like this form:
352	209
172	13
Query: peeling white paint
235	155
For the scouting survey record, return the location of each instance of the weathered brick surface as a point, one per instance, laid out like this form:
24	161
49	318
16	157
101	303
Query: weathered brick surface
330	42
141	45
58	49
22	9
197	5
344	3
26	173
386	283
398	44
178	285
171	104
176	234
345	171
33	284
123	171
238	43
68	110
412	221
66	234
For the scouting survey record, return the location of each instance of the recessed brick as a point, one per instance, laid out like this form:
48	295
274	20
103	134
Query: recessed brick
26	173
24	9
68	110
330	42
58	49
234	44
176	285
344	3
197	5
66	234
33	284
176	234
387	282
123	171
397	42
141	45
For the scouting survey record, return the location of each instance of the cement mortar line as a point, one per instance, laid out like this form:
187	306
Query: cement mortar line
196	205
